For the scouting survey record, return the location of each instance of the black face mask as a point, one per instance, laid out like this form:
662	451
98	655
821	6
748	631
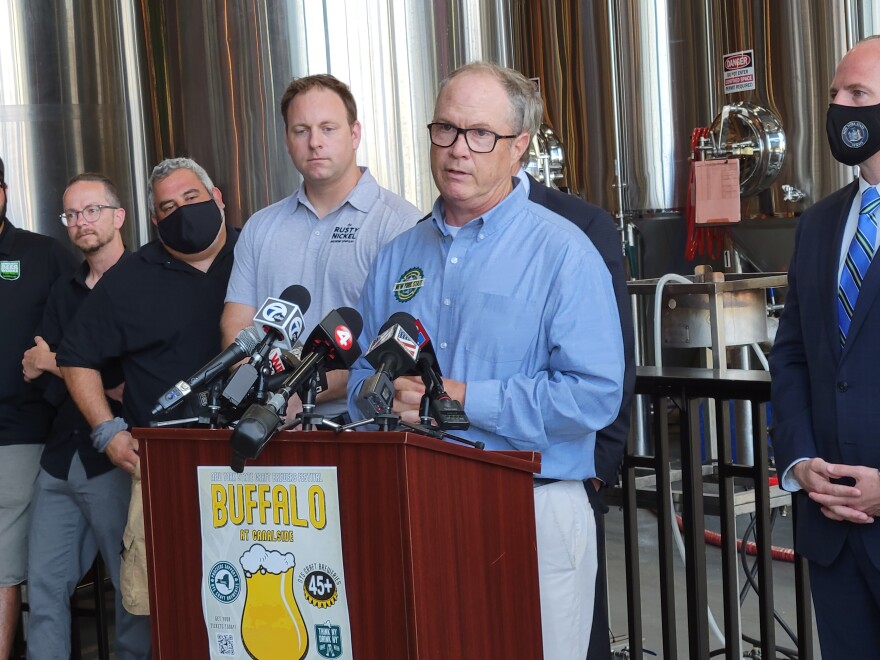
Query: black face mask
191	228
853	132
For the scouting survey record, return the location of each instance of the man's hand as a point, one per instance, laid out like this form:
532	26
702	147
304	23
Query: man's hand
408	393
409	390
116	393
122	451
857	503
37	360
294	408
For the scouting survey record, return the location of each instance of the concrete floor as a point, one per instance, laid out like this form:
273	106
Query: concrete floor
783	586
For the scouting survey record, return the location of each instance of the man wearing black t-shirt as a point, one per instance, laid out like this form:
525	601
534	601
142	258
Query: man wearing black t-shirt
29	265
81	500
158	313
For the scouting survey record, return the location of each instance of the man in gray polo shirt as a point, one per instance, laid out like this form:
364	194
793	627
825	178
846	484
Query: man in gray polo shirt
325	236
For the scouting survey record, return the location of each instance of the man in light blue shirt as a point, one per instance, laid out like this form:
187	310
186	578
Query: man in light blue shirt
522	315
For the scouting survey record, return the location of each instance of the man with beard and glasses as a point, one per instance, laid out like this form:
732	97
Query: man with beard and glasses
81	500
824	365
158	314
29	265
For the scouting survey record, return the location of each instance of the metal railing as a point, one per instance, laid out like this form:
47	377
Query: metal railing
687	387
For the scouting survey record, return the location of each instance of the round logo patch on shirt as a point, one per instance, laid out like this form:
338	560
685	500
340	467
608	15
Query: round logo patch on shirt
409	284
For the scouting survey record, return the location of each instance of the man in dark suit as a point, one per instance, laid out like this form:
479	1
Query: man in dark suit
825	365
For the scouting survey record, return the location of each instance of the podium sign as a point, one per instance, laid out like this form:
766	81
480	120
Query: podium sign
273	584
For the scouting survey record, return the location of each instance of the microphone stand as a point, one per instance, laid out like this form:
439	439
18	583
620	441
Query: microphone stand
308	418
214	404
425	406
260	393
389	422
426	428
440	434
212	420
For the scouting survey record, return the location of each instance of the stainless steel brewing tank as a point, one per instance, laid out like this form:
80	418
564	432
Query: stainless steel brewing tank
70	101
624	84
796	47
221	69
627	81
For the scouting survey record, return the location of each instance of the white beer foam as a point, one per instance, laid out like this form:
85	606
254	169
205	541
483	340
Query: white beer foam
271	561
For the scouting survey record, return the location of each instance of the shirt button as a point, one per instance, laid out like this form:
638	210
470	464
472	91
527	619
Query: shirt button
447	301
842	386
454	260
480	236
443	344
317	233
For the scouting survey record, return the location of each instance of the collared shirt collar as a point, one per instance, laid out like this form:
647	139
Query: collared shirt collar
492	220
154	252
362	196
863	186
81	272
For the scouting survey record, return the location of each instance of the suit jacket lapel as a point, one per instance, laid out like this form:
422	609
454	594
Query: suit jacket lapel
831	280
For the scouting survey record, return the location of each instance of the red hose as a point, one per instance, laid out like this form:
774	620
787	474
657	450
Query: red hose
708	241
714	538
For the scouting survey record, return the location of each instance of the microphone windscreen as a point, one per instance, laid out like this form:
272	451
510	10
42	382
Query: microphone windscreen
352	319
248	338
298	295
404	320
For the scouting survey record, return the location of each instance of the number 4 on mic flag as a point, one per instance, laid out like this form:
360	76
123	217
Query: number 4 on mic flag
343	337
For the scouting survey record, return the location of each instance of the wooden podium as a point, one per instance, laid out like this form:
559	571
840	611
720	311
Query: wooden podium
438	541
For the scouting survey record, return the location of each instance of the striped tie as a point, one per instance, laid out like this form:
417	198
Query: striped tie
861	251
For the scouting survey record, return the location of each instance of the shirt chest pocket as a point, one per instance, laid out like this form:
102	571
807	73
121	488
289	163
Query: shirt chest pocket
501	329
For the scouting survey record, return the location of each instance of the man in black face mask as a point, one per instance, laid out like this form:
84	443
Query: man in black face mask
825	365
159	314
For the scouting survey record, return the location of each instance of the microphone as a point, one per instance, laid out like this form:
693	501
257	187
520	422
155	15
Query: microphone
426	348
253	431
243	345
284	316
284	362
446	411
393	353
280	320
331	345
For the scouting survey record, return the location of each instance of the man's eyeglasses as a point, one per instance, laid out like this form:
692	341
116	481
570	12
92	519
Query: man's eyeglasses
90	214
478	140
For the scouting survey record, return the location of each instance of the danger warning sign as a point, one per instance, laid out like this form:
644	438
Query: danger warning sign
739	71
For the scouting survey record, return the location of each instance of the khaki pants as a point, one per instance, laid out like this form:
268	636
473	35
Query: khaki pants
133	571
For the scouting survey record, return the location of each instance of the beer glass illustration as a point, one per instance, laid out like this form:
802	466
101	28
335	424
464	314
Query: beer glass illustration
272	625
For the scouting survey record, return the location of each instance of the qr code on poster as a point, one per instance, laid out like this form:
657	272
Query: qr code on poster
226	644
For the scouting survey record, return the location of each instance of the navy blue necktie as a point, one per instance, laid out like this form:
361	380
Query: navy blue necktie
858	259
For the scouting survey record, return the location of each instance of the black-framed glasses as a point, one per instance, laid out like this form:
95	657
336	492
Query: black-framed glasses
90	214
478	140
